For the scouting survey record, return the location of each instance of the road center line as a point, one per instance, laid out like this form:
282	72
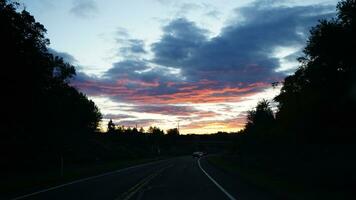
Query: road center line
132	191
88	178
216	183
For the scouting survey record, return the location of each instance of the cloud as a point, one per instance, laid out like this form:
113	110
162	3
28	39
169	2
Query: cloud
158	92
186	8
188	67
84	8
181	38
129	48
165	109
242	52
183	111
213	13
117	116
138	122
211	126
133	46
138	72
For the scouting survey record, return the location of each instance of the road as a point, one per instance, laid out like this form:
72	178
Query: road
177	178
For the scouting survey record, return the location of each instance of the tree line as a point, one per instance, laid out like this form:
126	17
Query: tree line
43	116
312	132
116	129
46	120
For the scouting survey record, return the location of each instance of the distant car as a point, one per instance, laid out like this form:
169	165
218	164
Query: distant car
197	154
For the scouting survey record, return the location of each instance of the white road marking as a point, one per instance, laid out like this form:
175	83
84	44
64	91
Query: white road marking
216	183
86	179
142	184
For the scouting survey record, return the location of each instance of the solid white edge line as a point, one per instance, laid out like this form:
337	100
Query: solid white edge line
216	183
88	178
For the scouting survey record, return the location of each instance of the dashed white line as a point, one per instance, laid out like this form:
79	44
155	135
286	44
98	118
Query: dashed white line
216	183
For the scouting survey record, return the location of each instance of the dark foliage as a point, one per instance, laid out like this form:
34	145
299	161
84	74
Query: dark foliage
313	134
319	100
42	114
173	132
111	127
260	119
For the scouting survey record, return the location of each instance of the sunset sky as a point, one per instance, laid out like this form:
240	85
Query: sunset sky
202	63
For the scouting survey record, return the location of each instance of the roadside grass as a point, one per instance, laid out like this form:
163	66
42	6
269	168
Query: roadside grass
287	187
24	183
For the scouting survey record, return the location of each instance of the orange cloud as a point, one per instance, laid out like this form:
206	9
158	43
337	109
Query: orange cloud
209	95
123	82
232	125
201	92
166	99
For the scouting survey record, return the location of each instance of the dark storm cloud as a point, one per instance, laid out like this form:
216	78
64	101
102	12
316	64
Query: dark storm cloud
84	8
243	50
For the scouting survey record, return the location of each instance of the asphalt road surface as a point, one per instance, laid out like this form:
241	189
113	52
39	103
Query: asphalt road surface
177	178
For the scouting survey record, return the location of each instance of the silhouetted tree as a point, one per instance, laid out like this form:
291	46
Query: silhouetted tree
135	131
261	118
257	131
42	112
155	131
111	127
173	132
142	130
317	100
120	129
128	130
314	130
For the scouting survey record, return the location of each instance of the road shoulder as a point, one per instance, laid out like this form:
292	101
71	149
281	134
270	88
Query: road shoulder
235	182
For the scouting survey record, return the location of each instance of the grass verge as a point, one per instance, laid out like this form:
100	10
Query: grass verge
283	186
